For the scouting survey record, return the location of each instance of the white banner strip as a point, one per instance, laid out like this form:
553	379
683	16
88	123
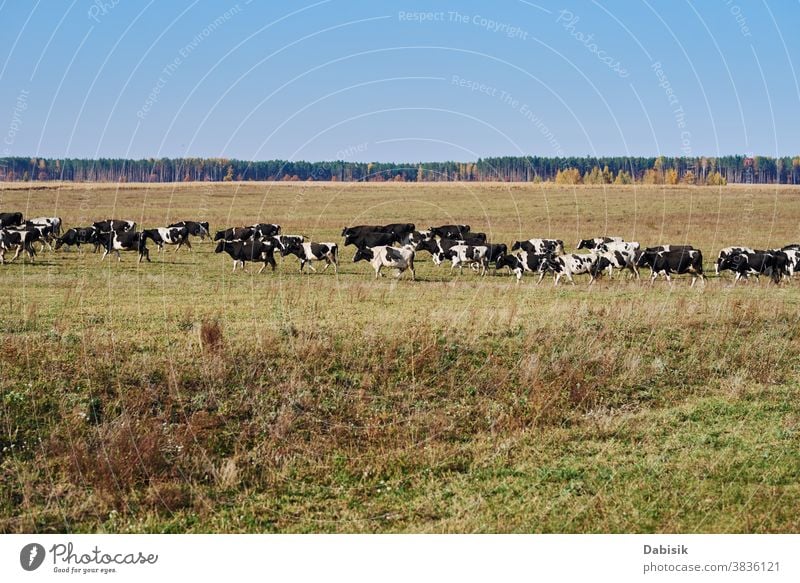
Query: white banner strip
388	558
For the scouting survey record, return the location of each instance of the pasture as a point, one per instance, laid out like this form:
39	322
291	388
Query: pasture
176	396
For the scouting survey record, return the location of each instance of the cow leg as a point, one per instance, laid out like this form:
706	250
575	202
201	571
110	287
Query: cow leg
653	277
327	264
311	266
541	277
119	257
262	268
669	279
302	265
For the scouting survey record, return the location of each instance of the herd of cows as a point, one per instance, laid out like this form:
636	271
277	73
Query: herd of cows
396	245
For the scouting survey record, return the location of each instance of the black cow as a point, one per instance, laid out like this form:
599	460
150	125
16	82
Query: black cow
235	234
668	248
78	236
255	251
596	242
117	241
10	219
450	231
674	261
195	228
114	225
168	236
364	240
309	252
265	230
362	230
773	264
20	240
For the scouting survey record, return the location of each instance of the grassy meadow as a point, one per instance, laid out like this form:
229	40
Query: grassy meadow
176	396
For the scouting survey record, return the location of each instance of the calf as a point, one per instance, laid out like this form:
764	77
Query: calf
235	234
727	252
521	262
450	231
114	225
255	251
673	261
18	240
596	242
386	256
772	264
195	228
117	241
77	236
567	266
310	252
540	246
366	240
168	236
472	255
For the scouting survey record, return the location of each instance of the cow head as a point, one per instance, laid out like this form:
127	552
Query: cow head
516	245
601	264
365	254
220	246
510	261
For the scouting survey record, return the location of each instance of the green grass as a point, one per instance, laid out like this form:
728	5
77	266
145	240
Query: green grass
178	397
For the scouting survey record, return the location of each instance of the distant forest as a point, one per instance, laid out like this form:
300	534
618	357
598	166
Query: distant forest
585	170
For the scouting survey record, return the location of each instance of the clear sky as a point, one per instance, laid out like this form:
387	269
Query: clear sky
398	81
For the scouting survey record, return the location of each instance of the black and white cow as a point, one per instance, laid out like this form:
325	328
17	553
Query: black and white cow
620	258
366	240
282	241
168	236
10	220
77	236
522	262
196	229
414	238
727	252
772	264
476	256
117	241
596	242
44	232
235	234
53	222
678	261
264	230
382	256
567	266
310	252
450	231
540	246
668	248
19	240
110	225
255	251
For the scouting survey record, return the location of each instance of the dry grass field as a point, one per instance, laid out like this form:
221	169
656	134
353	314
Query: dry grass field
176	396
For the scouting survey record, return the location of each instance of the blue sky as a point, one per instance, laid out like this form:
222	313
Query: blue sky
398	81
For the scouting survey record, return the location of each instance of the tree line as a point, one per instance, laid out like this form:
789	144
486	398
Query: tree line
564	170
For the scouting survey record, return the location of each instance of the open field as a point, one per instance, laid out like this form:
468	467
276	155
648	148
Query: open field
175	396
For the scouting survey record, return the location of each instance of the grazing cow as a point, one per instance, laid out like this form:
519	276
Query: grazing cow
772	264
235	234
10	219
309	252
77	236
386	256
19	240
117	241
674	261
168	236
365	240
540	246
567	266
264	230
53	222
255	251
195	228
596	242
450	231
114	225
728	251
476	256
617	259
522	262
